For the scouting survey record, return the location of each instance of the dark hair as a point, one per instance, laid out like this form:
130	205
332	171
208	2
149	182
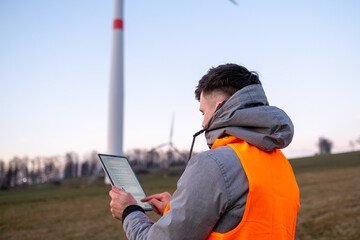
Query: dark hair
227	78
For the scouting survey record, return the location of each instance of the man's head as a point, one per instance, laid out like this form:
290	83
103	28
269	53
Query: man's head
219	84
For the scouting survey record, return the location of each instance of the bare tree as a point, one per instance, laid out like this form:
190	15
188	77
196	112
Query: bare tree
38	170
95	165
35	171
2	168
2	174
17	173
151	157
325	145
136	158
85	169
71	165
23	170
8	178
51	170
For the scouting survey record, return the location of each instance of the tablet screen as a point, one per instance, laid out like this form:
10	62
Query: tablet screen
121	175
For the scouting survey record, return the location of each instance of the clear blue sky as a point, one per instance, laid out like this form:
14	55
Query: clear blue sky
55	69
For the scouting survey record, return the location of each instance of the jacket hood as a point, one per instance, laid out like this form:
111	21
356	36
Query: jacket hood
248	116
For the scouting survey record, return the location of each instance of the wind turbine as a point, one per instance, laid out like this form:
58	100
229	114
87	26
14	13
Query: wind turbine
169	143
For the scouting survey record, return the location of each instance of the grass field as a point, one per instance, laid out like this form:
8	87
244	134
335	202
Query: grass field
329	190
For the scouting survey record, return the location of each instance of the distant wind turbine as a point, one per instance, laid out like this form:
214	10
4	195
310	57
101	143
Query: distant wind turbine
170	142
172	148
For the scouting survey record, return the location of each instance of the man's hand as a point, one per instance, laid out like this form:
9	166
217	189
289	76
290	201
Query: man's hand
158	201
119	201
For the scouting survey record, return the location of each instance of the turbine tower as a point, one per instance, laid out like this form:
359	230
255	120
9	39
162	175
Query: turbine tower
116	110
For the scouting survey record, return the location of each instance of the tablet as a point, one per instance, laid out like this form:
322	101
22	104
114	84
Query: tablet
122	176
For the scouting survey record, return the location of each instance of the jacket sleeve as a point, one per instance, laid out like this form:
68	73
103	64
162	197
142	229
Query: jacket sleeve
195	207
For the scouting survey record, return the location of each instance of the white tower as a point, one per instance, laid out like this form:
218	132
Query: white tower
116	110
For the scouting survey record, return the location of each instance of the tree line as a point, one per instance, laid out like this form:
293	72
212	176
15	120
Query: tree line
22	171
25	171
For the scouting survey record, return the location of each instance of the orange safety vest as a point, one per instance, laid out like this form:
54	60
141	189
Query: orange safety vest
273	199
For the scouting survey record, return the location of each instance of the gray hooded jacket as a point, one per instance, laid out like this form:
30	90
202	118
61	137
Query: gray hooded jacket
211	193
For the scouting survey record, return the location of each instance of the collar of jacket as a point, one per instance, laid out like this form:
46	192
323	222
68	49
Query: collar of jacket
225	141
248	116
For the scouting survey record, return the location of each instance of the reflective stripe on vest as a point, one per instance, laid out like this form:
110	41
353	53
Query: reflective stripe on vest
273	199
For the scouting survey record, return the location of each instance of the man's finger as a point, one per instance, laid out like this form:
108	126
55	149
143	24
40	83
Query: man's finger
156	210
111	193
146	199
155	196
156	203
118	190
114	194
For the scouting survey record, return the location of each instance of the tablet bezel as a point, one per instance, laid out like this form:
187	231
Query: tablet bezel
112	183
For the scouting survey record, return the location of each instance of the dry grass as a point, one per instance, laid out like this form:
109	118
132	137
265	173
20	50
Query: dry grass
330	205
65	212
329	188
329	196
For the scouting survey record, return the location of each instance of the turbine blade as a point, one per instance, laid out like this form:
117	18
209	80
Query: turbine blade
234	2
176	150
171	129
159	146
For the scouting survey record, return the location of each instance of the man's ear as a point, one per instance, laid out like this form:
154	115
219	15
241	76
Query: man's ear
219	104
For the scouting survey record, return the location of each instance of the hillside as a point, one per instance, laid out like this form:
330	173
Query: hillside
326	162
329	196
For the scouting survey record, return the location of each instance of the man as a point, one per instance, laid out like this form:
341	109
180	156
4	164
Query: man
243	188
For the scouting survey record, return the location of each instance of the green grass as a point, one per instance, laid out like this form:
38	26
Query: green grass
329	189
